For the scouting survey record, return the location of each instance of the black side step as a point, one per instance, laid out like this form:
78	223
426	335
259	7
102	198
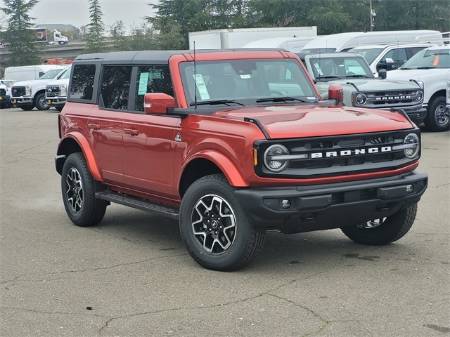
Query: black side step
136	203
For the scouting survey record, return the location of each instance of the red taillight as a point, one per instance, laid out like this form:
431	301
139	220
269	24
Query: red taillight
336	92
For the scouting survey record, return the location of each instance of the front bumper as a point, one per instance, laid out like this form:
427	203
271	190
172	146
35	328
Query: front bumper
315	207
56	101
21	101
417	113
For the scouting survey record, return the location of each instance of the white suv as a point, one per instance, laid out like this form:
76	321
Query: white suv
432	67
30	94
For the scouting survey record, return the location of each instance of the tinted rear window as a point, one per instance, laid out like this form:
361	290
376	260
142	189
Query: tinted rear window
82	85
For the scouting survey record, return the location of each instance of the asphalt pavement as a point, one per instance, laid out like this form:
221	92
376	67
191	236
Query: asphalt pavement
131	276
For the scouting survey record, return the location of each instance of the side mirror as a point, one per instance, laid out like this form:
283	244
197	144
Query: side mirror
382	73
336	92
158	103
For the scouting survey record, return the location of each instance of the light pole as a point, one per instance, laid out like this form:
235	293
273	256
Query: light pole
372	14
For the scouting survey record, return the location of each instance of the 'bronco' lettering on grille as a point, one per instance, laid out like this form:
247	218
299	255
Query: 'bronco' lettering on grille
352	152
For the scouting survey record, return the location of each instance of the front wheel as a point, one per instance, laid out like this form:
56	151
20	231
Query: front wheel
438	116
40	102
78	193
214	226
383	231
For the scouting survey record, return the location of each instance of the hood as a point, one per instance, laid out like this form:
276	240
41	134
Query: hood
58	82
417	74
295	121
367	85
30	83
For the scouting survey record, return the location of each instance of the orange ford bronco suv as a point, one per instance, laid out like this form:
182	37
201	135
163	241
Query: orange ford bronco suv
233	143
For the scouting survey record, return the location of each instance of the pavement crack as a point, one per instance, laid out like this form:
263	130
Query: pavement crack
199	307
45	312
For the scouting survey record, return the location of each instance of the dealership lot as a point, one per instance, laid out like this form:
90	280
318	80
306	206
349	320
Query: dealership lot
131	276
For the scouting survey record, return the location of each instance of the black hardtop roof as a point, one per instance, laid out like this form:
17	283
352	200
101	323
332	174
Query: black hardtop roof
149	56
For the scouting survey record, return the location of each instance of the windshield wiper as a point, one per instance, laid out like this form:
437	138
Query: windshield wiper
327	77
217	102
282	99
358	76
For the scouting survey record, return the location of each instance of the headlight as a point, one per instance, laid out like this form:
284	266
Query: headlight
419	96
273	158
27	91
360	98
63	90
413	145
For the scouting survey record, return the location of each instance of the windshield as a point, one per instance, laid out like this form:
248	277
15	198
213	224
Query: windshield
428	59
369	54
246	82
51	74
65	75
331	68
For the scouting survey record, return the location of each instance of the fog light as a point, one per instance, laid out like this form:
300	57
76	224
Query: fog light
285	203
409	188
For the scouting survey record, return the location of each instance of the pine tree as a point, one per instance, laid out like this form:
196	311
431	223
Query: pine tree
96	28
19	35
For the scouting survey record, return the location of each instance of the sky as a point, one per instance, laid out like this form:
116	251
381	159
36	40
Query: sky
75	12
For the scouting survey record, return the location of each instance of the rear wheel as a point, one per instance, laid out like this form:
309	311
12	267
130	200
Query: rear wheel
40	102
385	230
78	193
214	227
438	116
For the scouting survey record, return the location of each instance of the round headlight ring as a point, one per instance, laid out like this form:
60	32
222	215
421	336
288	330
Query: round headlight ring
419	96
275	165
412	152
360	98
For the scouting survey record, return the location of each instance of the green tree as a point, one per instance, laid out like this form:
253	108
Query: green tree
96	27
21	39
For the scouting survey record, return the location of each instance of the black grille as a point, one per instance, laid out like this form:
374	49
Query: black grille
53	91
18	91
2	92
393	98
348	154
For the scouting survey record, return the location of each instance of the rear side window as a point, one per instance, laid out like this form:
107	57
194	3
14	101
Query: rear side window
82	85
115	87
149	79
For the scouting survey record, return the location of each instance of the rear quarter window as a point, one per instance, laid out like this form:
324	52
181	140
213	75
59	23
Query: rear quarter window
82	84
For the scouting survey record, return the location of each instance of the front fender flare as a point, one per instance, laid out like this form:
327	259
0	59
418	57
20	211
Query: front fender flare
226	166
87	152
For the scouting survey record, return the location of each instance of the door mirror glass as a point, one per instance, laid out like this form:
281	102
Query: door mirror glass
158	103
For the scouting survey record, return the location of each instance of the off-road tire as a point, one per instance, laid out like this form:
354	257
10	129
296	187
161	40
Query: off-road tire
40	102
247	240
392	229
59	108
431	121
92	210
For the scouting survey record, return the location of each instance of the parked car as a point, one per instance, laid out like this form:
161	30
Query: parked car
345	41
28	73
56	91
432	67
388	57
232	143
29	94
361	88
5	94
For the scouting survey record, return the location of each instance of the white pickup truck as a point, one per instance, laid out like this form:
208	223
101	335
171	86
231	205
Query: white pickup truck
432	67
56	91
29	94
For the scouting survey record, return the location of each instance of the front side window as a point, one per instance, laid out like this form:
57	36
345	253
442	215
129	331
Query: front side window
397	58
331	68
429	59
154	78
115	87
51	74
370	54
245	81
82	84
